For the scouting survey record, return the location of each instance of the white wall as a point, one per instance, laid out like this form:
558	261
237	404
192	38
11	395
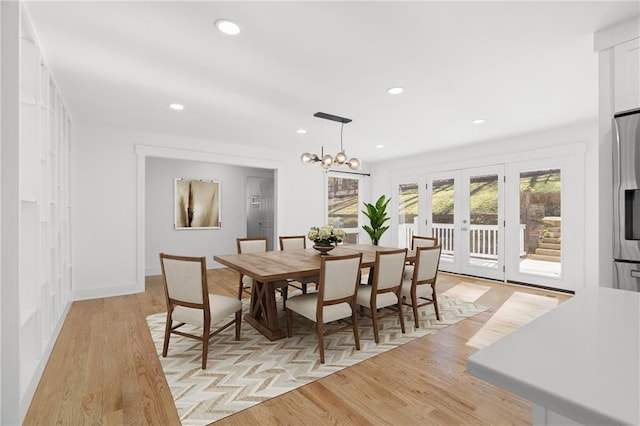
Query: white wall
108	245
517	148
159	230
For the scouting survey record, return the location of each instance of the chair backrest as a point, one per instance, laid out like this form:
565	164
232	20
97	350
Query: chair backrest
251	245
418	241
389	269
427	262
338	277
185	279
293	242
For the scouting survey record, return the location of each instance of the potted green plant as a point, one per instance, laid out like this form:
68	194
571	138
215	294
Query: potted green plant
377	214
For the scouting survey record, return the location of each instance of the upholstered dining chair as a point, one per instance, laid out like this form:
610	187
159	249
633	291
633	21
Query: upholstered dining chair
420	289
297	242
189	302
335	299
418	241
385	289
256	245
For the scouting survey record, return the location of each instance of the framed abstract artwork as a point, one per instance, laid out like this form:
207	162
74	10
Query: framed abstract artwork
196	204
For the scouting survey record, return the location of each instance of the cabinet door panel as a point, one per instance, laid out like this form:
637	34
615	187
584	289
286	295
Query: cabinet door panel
627	75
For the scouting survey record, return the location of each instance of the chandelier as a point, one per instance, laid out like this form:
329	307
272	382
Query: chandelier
340	159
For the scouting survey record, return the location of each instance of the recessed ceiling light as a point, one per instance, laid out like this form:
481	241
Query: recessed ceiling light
478	121
395	90
301	131
380	146
228	27
176	107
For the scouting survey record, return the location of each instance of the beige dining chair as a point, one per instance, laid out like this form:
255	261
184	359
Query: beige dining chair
385	289
420	289
189	302
256	245
297	242
418	241
335	299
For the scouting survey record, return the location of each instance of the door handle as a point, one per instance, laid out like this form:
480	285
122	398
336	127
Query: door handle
464	228
635	274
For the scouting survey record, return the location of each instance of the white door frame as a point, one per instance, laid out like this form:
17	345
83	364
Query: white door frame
421	229
572	225
461	227
447	263
496	270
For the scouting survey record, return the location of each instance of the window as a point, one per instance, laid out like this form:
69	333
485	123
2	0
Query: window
541	222
343	202
407	213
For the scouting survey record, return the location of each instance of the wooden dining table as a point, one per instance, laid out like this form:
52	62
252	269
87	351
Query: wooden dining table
269	267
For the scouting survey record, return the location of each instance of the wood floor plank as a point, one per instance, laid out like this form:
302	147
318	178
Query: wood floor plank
104	370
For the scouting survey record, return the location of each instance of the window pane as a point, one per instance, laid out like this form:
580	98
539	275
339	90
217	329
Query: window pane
540	222
342	202
442	208
483	220
407	213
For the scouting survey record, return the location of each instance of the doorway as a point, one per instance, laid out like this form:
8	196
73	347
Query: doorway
260	208
466	214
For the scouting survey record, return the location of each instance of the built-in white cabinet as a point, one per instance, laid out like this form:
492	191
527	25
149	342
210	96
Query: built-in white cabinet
627	75
44	284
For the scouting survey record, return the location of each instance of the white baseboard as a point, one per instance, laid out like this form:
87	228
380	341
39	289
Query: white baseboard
152	271
95	293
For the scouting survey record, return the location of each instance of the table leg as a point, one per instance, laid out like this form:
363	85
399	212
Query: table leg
263	314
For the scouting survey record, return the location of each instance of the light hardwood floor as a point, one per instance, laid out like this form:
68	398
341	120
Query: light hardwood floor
104	370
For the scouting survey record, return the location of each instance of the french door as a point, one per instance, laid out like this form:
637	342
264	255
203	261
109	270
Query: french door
466	213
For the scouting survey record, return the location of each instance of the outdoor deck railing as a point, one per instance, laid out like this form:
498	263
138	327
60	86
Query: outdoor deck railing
483	239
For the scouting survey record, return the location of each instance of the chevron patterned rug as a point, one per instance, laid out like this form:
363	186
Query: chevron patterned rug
241	374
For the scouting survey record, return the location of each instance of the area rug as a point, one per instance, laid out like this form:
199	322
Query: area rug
518	310
241	374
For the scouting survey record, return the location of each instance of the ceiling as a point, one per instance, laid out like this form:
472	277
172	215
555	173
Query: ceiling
521	66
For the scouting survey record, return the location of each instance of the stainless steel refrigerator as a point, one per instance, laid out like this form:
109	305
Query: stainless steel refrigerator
626	200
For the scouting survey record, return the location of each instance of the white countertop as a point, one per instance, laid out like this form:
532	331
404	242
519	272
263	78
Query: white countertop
581	360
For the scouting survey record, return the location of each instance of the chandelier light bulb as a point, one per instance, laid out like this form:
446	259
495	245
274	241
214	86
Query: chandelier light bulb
341	157
327	160
354	164
306	158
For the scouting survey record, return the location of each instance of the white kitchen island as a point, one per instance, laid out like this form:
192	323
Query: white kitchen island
577	364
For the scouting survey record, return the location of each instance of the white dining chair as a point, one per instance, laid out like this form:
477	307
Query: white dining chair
335	299
189	302
420	289
385	289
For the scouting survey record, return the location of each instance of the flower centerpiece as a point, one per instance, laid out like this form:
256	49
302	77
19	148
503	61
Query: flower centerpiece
325	238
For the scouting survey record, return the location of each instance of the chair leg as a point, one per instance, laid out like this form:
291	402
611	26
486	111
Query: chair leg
167	335
304	288
401	316
414	302
240	288
205	345
435	303
238	324
320	332
374	318
285	294
354	321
